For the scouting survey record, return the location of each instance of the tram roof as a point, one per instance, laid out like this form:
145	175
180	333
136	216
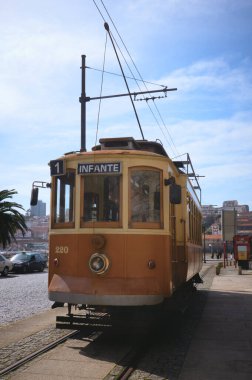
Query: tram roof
119	144
129	143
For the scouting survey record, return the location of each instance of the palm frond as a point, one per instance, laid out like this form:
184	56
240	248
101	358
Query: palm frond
11	220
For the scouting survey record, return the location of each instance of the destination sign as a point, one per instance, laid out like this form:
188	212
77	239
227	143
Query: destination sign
100	168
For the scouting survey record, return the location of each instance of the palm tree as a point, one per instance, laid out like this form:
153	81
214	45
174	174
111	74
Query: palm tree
11	220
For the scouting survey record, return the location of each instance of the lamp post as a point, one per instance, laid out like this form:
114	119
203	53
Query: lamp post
211	248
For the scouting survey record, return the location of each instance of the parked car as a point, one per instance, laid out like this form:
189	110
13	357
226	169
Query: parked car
45	258
28	262
5	265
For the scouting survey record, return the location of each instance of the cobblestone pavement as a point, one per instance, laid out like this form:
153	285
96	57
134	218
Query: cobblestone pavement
19	350
23	295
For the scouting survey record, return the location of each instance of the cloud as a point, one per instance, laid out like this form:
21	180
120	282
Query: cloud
40	83
220	150
213	76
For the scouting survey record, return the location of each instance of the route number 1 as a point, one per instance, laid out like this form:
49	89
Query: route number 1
57	167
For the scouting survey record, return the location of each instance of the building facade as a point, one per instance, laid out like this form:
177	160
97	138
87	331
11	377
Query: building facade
213	225
39	209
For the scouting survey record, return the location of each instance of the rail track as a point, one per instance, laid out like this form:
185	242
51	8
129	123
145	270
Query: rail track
140	345
31	356
25	358
129	364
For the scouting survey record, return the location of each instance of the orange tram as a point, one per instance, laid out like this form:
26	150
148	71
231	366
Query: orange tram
125	228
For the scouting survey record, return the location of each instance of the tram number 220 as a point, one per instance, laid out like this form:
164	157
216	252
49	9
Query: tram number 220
61	249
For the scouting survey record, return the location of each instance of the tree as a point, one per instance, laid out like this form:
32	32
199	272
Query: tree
11	220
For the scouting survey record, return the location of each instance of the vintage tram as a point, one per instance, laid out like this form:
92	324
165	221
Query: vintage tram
125	224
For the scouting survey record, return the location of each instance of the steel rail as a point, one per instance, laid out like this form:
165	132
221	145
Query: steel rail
136	354
37	353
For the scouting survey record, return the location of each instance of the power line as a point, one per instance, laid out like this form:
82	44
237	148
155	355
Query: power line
120	75
172	144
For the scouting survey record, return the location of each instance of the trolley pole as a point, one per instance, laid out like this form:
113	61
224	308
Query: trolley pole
82	100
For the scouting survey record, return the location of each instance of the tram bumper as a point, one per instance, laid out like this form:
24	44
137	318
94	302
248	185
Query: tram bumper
109	292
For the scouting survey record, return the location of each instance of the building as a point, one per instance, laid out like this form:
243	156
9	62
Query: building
233	205
210	210
39	209
244	223
213	223
211	219
243	216
35	237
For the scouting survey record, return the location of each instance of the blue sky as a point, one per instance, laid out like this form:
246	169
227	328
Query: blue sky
202	47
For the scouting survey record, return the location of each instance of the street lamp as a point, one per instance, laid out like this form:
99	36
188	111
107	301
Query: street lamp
211	248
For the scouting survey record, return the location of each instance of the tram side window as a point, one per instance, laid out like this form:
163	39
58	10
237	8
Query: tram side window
145	201
64	198
194	221
101	198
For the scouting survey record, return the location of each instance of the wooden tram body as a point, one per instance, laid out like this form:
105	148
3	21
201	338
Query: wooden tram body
125	226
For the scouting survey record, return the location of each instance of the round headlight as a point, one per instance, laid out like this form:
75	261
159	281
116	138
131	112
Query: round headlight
98	263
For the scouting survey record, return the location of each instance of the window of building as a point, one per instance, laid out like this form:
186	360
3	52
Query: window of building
144	198
101	200
63	205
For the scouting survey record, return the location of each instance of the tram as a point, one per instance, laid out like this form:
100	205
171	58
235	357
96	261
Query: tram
125	226
125	223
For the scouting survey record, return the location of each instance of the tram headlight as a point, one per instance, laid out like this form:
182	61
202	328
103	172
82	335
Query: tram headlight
98	263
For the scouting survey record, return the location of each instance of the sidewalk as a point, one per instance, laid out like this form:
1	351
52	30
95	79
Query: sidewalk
15	331
221	348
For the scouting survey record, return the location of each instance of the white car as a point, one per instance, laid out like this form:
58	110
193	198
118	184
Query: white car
5	265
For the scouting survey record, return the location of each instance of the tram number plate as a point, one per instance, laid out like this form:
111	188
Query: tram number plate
57	167
61	249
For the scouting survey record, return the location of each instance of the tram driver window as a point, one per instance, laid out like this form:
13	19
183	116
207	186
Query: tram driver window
144	196
64	199
101	198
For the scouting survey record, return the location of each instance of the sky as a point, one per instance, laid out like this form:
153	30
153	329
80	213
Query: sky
203	48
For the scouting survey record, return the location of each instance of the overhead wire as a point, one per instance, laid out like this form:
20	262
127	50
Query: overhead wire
144	82
172	144
120	75
99	108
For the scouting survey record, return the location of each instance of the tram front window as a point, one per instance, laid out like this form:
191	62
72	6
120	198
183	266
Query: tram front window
64	199
144	197
101	198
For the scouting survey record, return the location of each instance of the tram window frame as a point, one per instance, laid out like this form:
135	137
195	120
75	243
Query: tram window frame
98	197
58	201
194	221
155	224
